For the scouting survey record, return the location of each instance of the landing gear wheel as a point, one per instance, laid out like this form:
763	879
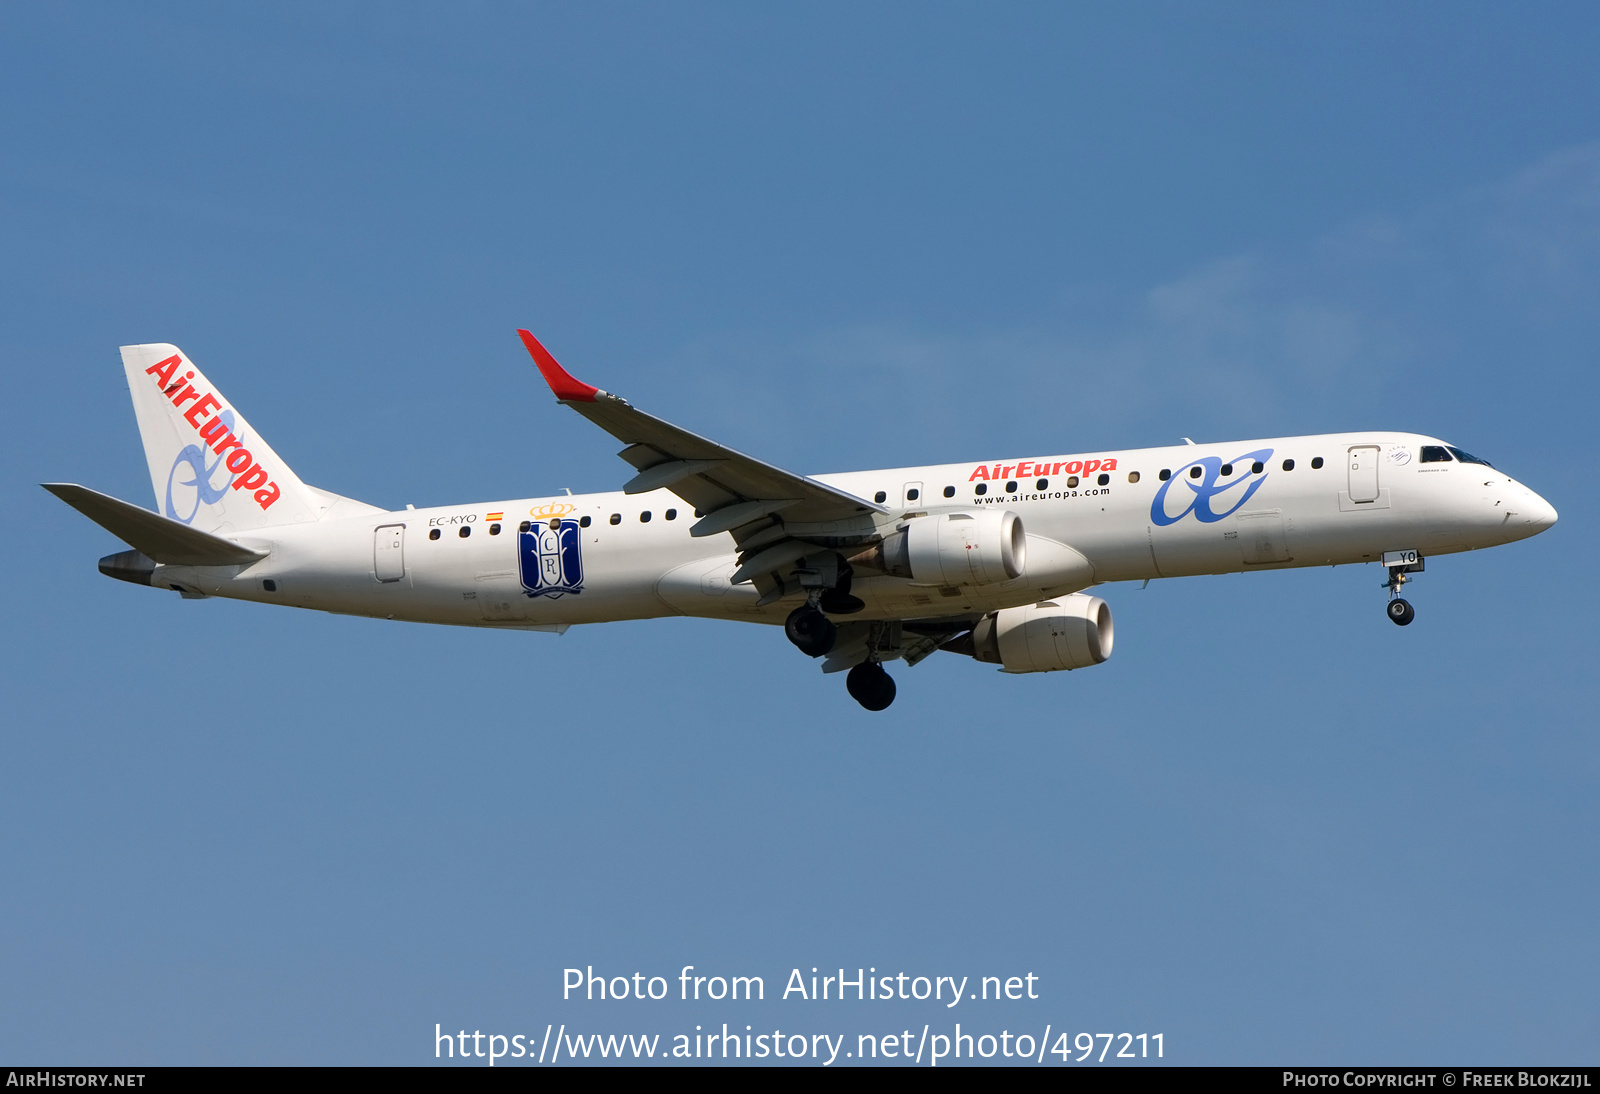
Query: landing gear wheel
835	602
870	686
811	631
1401	612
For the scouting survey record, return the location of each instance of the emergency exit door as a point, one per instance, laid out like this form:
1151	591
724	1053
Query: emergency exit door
1364	473
389	552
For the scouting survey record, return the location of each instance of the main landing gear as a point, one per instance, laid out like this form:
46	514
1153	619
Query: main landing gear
827	579
812	633
870	686
815	635
1399	564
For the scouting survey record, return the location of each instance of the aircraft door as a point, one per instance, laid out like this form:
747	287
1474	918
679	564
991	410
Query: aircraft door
389	552
911	495
1364	472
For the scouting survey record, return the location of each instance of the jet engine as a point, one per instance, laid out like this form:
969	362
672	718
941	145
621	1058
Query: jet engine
1068	632
957	549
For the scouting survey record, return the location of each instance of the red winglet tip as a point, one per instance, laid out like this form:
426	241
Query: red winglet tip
560	380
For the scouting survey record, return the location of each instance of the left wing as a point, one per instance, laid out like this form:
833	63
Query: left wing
730	490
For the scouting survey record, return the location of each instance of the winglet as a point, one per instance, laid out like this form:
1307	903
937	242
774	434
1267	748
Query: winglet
562	382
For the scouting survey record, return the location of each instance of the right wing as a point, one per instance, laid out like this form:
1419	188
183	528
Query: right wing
775	516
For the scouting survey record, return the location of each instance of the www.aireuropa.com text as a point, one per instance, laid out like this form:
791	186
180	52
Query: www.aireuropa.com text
926	1046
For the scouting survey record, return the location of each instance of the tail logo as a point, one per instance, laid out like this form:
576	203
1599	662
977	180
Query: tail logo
216	430
204	477
550	554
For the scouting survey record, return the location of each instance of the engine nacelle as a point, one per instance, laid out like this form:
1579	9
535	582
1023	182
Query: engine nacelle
959	549
1069	632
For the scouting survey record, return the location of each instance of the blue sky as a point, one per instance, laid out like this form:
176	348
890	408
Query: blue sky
1273	827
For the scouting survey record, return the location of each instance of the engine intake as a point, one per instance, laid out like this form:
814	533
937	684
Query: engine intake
1069	632
958	549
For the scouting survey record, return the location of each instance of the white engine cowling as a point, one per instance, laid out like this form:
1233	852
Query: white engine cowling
1069	632
960	548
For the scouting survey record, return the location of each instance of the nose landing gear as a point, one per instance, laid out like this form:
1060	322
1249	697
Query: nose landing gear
1399	564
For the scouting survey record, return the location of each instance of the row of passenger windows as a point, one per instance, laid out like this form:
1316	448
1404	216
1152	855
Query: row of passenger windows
1227	469
466	530
644	517
1430	454
1133	476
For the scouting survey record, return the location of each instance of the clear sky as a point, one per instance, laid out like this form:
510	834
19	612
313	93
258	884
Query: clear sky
1273	828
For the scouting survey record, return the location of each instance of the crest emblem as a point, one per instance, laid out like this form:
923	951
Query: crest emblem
550	558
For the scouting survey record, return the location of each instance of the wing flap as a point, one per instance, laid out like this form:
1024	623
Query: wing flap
160	538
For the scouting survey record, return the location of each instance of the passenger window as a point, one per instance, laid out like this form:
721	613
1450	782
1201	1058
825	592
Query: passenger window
913	494
1288	465
644	517
981	489
1165	475
949	491
494	529
1467	457
1433	453
671	514
1133	476
466	530
583	522
1257	467
880	497
1194	472
616	518
1104	480
1072	481
433	533
1316	463
1042	484
1011	487
1227	469
270	585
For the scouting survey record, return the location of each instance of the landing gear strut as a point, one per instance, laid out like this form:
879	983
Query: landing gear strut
870	686
1401	563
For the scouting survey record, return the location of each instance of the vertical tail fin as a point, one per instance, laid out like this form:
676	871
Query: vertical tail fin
208	467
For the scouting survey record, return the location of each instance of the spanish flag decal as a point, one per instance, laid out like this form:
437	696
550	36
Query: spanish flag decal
494	516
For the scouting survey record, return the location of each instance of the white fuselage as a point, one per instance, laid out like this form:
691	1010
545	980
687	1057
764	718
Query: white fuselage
636	558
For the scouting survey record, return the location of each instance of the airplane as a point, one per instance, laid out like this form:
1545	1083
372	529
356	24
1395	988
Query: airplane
987	559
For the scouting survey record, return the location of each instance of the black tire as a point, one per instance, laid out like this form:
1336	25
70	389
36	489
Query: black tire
811	631
870	686
1401	612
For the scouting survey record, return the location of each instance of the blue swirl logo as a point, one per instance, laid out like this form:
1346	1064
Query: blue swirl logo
205	492
1205	487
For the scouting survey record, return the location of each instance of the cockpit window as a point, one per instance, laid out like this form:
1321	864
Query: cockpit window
1433	453
1467	457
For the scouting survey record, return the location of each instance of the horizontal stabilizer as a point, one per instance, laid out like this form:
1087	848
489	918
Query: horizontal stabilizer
166	541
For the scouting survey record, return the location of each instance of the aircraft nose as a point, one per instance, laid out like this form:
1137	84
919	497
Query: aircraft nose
1542	514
